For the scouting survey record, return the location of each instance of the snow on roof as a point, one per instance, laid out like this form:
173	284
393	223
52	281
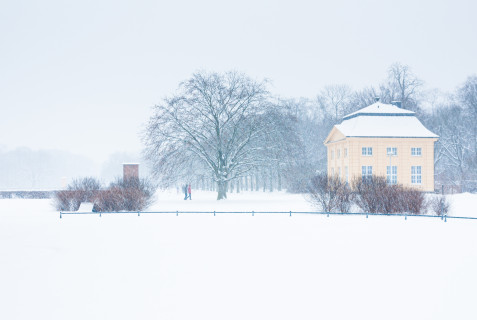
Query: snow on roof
383	120
379	108
384	126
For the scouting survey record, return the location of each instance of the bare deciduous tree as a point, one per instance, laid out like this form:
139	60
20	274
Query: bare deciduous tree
335	100
403	85
214	123
468	97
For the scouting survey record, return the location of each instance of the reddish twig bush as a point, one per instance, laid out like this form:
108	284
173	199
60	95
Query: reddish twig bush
125	195
122	195
330	194
375	195
79	190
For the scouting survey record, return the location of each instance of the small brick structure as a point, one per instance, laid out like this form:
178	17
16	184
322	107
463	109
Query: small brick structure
130	171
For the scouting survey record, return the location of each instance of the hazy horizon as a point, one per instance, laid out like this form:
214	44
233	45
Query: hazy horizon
83	76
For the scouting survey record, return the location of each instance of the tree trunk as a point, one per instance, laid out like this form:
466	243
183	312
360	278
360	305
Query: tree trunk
271	180
221	190
264	180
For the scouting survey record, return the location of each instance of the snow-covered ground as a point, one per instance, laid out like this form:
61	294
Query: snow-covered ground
235	266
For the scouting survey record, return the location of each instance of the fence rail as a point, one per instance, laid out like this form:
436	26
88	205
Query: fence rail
290	213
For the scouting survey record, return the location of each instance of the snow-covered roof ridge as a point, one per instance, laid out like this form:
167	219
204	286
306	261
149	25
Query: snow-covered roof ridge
380	109
385	126
383	120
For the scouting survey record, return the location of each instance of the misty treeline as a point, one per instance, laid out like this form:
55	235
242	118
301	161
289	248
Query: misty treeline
27	169
226	132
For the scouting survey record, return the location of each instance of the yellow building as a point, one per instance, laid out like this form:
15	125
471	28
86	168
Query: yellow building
383	140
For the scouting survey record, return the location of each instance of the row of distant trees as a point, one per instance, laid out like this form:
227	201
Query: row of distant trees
227	132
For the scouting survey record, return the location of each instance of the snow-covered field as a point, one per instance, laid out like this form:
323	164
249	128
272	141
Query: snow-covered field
235	266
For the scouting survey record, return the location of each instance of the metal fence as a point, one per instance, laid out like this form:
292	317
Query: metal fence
253	213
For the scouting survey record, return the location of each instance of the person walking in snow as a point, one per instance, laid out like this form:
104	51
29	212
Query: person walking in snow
184	189
190	194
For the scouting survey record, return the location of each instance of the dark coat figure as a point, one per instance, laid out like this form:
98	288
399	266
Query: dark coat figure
184	189
190	194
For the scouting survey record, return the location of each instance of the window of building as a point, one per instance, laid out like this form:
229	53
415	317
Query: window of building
338	153
391	174
346	174
416	176
332	154
366	173
332	171
391	151
367	151
416	152
346	152
339	172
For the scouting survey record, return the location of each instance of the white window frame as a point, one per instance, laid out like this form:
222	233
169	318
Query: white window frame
366	172
416	175
332	154
346	152
416	151
391	151
346	173
391	177
367	151
338	153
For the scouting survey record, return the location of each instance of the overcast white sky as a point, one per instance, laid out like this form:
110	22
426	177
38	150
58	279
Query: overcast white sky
83	75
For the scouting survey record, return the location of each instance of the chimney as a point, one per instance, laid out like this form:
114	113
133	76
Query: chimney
376	99
130	171
396	103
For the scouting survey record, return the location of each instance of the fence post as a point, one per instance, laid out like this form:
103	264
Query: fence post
100	214
214	213
253	213
290	213
60	214
177	213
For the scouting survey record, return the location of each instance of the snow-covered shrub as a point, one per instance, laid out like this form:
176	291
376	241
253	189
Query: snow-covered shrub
79	190
439	205
330	194
125	195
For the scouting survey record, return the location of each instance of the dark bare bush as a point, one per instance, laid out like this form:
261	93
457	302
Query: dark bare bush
375	195
87	188
369	194
125	195
330	194
66	200
439	205
79	190
414	201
